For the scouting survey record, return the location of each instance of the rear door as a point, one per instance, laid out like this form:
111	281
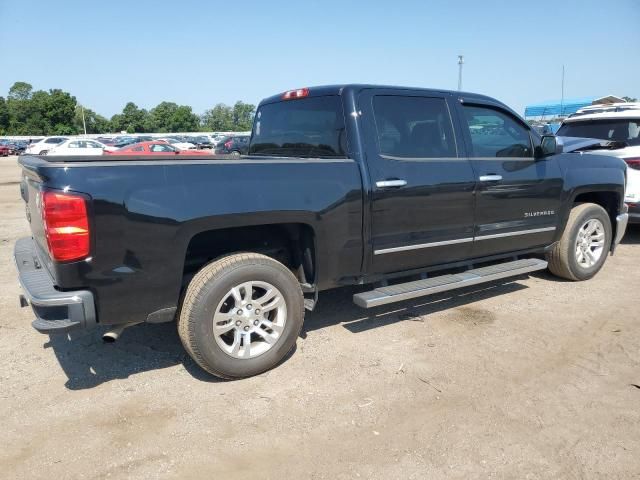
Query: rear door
517	196
422	187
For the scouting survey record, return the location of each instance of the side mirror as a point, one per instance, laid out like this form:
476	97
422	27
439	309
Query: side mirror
550	145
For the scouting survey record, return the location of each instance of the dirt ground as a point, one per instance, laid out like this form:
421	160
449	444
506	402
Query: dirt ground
527	379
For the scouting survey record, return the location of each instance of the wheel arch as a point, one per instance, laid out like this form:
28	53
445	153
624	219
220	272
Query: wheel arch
293	244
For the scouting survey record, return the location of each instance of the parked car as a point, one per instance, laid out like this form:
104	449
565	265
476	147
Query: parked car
619	124
18	147
80	146
124	141
154	148
233	145
5	150
201	142
43	146
401	185
177	143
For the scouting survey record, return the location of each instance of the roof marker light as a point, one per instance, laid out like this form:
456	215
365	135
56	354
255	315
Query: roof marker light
299	93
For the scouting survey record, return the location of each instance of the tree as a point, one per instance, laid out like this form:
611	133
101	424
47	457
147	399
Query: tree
132	119
4	116
218	119
243	116
59	112
629	99
95	123
223	118
20	91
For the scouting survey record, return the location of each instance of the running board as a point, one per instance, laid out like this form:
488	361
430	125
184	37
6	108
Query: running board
420	288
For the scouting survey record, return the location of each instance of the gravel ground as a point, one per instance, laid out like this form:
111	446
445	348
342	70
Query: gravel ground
532	378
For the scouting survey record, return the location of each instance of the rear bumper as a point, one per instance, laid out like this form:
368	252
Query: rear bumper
55	311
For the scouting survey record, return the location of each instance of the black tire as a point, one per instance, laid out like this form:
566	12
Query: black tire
210	286
562	258
43	152
235	153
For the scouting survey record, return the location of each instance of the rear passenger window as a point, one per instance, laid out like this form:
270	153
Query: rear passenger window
413	127
496	134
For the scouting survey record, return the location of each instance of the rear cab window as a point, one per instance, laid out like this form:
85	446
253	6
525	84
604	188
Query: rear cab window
311	127
410	127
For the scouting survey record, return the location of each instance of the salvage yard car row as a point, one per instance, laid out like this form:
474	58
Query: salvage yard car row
234	144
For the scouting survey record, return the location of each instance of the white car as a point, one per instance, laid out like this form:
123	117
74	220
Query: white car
179	145
80	146
43	146
618	122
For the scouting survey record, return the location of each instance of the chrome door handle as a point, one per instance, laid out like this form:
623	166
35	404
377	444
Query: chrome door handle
490	178
391	183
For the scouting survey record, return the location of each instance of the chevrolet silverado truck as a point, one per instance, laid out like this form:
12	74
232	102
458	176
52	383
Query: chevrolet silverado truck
411	191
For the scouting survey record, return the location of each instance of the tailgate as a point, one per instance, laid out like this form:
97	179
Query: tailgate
30	190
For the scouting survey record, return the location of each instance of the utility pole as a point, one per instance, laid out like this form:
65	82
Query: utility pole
562	94
84	125
460	62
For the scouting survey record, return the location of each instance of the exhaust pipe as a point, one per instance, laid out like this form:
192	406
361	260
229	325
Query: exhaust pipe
112	335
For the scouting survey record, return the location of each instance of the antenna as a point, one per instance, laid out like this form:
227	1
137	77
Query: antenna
460	63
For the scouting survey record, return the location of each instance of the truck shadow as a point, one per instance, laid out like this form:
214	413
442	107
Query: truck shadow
632	237
88	362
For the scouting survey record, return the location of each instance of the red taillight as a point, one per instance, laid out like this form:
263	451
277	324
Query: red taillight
228	144
299	93
633	163
66	225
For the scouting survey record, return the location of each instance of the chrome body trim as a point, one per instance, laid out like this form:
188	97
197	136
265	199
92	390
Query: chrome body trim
405	248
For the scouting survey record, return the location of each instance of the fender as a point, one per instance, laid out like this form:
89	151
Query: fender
590	173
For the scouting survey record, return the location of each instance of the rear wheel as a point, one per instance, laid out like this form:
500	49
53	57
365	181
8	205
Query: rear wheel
241	315
585	242
43	152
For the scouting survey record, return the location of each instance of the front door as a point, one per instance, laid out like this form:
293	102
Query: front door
422	187
517	196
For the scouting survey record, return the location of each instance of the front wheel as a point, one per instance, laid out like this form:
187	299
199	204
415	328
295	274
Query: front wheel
585	243
241	315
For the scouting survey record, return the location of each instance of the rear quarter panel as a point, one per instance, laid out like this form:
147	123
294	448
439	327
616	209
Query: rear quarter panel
146	212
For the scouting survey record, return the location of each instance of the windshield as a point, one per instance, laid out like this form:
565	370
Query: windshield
627	131
308	127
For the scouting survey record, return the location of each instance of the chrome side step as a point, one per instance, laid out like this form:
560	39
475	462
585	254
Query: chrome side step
421	288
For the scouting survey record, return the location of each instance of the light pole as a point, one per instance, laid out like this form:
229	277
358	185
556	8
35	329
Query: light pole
562	93
460	62
84	125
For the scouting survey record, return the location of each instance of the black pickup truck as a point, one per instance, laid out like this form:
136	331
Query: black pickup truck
343	185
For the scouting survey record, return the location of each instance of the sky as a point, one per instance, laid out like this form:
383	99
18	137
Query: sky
201	53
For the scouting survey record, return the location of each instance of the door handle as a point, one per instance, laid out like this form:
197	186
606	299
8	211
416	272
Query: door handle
490	178
391	183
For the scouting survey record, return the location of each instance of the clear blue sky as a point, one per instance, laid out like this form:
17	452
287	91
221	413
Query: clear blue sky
200	53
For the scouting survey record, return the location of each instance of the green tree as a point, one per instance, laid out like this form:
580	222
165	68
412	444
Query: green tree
219	118
223	118
59	112
132	119
243	116
184	120
95	123
161	116
20	91
629	99
4	116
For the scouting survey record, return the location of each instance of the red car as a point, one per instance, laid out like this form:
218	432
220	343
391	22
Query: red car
5	151
154	148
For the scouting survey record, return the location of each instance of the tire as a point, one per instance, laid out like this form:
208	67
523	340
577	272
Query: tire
235	153
43	152
565	260
209	295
